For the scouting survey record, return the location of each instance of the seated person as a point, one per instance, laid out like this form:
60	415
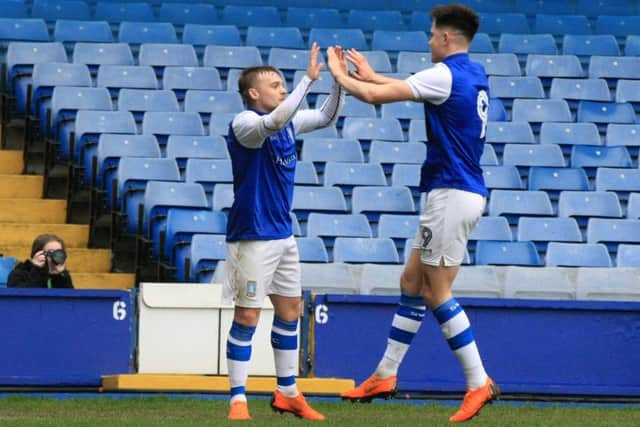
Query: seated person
46	268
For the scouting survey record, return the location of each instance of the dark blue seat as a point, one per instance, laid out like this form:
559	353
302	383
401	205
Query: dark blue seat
187	13
561	24
7	264
533	7
590	157
208	172
159	56
21	30
365	250
617	25
137	33
577	255
498	23
606	112
70	32
481	43
368	20
247	15
46	76
15	9
95	55
498	64
611	7
375	201
205	252
524	44
182	79
312	17
495	252
348	38
311	249
632	46
502	177
497	112
60	9
119	12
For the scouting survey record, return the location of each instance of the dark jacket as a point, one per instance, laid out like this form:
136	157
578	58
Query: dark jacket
27	275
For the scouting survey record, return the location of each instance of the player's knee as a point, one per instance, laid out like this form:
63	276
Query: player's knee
247	317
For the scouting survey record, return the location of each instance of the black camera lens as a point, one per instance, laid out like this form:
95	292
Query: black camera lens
58	256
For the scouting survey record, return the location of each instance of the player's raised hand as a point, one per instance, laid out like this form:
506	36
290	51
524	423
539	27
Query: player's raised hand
337	61
363	70
314	68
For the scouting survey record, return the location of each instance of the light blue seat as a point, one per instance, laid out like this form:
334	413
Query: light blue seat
403	111
219	124
187	13
577	255
622	181
498	64
21	29
533	155
289	60
46	76
116	77
629	91
583	156
322	85
488	157
136	33
408	176
495	252
374	201
515	203
633	206
544	230
247	15
569	134
561	24
311	249
268	37
377	59
611	232
365	250
159	56
7	264
60	9
348	38
580	89
353	107
222	197
348	175
417	131
509	132
549	66
420	19
184	147
502	177
119	12
209	173
182	79
614	67
413	62
312	17
95	55
322	150
553	180
515	87
396	41
164	124
524	44
585	204
399	228
306	174
389	153
628	256
225	57
208	103
363	128
624	135
203	35
82	31
326	132
617	25
329	226
139	101
541	110
632	46
498	23
588	45
317	199
206	251
481	43
182	225
491	228
368	20
606	112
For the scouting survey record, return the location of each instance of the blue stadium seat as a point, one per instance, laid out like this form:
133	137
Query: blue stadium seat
353	107
164	124
268	37
515	203
225	57
182	225
322	85
629	91
187	13
633	206
208	172
580	89
15	9
184	147
208	103
610	7
502	177
481	43
116	77
46	76
498	23
541	110
408	176
420	20
348	38
413	62
119	12
311	249
326	132
60	9
553	180
396	41
588	45
348	175
497	112
21	57
247	15
377	59
524	44
205	252
136	33
368	20
139	101
330	226
363	128
533	155
7	264
498	64
82	31
322	150
544	230
515	87
32	30
561	24
404	111
181	79
488	157
603	113
417	131
491	228
159	56
398	227
495	252
204	35
617	25
509	132
632	46
614	67
389	153
622	181
222	197
625	135
305	174
628	256
374	201
365	250
569	134
317	199
549	66
583	204
577	255
132	176
219	124
289	60
308	17
590	157
611	232
533	7
95	55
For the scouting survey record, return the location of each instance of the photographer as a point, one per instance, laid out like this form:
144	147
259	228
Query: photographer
46	268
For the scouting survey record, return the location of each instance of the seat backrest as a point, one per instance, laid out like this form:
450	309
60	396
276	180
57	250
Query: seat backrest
311	17
481	43
584	156
79	98
213	102
203	35
406	110
413	62
417	131
623	135
407	175
15	9
350	174
118	12
205	252
408	41
569	134
365	250
505	177
160	195
183	223
219	124
111	147
331	149
561	24
510	132
628	91
541	110
606	112
145	169
90	121
544	178
352	107
222	197
628	256
102	54
498	23
231	56
30	53
577	255
580	89
333	225
187	13
246	15
614	67
305	174
397	152
589	203
285	37
369	20
498	64
7	264
554	66
632	45
549	229
160	123
488	157
382	200
617	25
542	44
496	252
533	7
605	230
398	226
209	171
491	228
203	147
142	100
633	206
147	32
290	59
162	55
60	9
318	199
82	31
516	87
539	283
311	249
372	128
591	9
185	78
126	76
589	44
533	155
348	38
503	202
34	30
617	179
51	74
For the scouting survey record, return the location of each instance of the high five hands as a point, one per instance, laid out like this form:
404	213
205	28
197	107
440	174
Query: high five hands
337	59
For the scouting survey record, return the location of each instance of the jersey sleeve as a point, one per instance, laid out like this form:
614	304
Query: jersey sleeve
309	120
432	85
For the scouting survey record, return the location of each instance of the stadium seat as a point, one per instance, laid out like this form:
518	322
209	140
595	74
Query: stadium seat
187	13
612	232
204	35
628	256
417	131
139	101
541	110
380	279
330	226
588	45
348	38
413	62
580	89
516	203
209	103
289	60
553	180
497	112
629	91
15	9
509	132
363	128
515	87
322	150
614	67
311	249
95	55
164	124
181	79
219	124
60	9
611	7
607	284
495	252
404	111
585	204
247	15
633	206
374	201
268	37
317	199
498	64
183	147
82	31
346	176
116	77
569	134
488	157
524	44
502	177
533	7
378	60
365	250
617	25
561	24
589	157
328	278
306	174
7	264
577	255
498	23
368	20
208	172
205	252
408	176
46	76
621	181
21	30
159	56
136	33
223	197
420	19
606	112
481	43
632	46
396	41
399	228
491	228
312	17
182	225
225	57
544	230
323	84
326	132
389	153
533	155
550	66
119	12
353	107
541	283
625	135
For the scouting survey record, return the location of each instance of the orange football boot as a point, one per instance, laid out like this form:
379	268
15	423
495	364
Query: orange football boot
371	388
474	400
239	410
298	406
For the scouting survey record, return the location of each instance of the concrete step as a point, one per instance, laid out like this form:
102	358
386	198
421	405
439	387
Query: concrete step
79	260
20	186
43	211
11	162
74	235
103	280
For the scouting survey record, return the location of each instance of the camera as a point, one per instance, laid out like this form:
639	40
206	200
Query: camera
58	257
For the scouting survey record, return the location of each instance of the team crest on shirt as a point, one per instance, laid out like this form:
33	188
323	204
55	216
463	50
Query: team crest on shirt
427	235
251	289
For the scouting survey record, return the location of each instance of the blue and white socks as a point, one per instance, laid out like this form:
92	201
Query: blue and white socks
238	356
284	340
455	327
405	325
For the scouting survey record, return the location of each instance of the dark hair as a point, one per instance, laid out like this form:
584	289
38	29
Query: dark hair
248	78
42	240
458	16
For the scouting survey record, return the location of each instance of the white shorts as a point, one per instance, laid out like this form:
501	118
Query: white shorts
446	220
257	268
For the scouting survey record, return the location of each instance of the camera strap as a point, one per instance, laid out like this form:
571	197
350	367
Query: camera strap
49	282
